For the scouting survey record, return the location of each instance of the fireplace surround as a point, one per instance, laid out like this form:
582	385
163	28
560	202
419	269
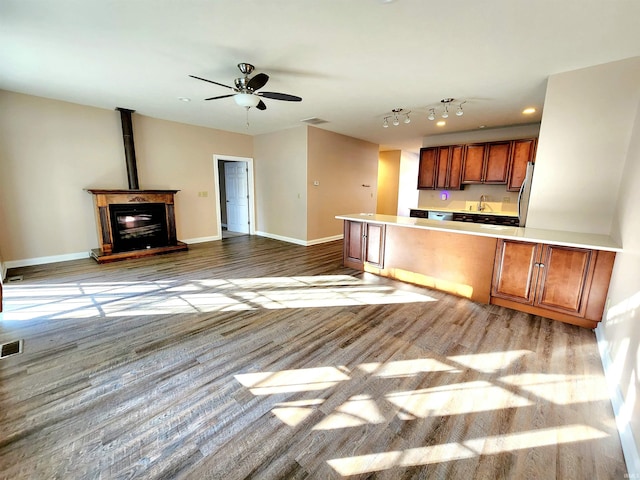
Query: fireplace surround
134	223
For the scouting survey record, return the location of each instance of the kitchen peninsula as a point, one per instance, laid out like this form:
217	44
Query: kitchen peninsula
559	275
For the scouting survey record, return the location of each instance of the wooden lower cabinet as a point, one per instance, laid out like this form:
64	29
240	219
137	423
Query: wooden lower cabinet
363	243
563	283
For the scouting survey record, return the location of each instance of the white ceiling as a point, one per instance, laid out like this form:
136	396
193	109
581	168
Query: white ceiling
351	61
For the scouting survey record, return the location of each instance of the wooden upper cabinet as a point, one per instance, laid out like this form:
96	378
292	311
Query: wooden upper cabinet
427	170
440	167
497	162
443	167
473	168
522	152
454	180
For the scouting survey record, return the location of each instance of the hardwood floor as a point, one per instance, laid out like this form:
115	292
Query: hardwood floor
253	358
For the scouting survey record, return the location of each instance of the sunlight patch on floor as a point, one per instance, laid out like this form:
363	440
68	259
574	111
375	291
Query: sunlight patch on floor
560	389
489	362
456	399
288	381
404	368
83	300
375	462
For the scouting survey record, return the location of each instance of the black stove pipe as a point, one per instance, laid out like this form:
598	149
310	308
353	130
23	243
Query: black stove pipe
129	149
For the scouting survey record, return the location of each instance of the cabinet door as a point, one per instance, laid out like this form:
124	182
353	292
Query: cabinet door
427	169
442	177
515	271
522	152
497	164
473	163
374	244
354	244
565	274
455	167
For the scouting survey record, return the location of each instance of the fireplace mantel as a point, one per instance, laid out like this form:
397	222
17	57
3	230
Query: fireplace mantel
103	198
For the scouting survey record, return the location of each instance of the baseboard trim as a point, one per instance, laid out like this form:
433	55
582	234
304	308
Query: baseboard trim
201	239
629	445
318	241
28	262
297	241
273	236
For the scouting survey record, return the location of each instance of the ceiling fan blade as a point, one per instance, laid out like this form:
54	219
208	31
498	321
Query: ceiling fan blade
258	81
261	106
211	81
280	96
220	96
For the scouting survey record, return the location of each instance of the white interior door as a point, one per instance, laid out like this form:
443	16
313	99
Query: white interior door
237	191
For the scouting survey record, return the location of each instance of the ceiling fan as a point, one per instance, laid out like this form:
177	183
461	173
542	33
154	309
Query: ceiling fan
246	94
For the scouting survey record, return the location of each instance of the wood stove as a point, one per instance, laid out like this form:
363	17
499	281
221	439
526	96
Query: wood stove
134	223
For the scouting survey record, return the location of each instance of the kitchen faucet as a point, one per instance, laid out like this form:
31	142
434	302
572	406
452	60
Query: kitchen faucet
481	206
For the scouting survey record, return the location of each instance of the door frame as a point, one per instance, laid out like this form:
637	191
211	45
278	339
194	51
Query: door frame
250	190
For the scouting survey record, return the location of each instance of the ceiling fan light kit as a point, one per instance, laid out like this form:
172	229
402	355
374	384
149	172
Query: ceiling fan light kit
246	100
246	89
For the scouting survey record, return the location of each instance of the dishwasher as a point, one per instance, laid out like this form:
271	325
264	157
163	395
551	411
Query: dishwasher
433	215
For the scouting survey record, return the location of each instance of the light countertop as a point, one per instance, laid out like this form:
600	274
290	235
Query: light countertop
472	212
555	237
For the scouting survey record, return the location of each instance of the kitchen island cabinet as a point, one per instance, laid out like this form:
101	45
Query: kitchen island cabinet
544	279
559	275
363	244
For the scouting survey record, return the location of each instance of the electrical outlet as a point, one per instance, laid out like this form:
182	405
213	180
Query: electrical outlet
506	199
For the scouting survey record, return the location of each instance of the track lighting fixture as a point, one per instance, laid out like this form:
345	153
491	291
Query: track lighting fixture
445	103
395	114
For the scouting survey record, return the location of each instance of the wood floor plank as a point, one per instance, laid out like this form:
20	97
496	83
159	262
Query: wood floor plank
251	358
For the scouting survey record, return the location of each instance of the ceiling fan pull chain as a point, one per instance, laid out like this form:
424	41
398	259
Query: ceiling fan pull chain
247	109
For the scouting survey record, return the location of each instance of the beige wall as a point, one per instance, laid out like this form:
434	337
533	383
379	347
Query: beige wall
408	192
341	165
621	327
280	165
584	136
179	156
388	182
50	151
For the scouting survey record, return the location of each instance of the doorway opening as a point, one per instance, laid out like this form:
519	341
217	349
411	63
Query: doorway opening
235	201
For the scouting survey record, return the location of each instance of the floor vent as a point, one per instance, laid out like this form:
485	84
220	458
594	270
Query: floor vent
11	348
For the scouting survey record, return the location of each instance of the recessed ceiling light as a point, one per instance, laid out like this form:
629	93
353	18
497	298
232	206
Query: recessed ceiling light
184	99
441	123
529	111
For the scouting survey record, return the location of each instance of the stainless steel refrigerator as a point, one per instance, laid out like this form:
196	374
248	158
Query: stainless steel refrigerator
523	195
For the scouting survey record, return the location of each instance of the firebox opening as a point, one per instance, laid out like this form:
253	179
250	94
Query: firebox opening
139	226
